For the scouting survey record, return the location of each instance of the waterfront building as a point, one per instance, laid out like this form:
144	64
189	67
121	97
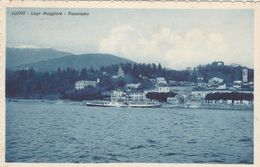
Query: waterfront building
184	90
84	83
136	96
172	100
118	95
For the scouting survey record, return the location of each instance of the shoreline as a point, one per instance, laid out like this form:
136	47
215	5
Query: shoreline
163	105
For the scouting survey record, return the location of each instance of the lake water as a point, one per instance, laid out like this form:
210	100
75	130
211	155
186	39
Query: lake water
62	132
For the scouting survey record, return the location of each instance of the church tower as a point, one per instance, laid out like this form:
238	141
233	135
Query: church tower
120	72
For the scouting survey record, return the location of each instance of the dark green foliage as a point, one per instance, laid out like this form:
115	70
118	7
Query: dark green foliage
146	84
230	96
32	84
35	84
86	94
119	84
162	97
228	73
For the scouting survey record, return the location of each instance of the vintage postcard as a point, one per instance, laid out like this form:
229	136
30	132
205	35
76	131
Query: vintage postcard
158	83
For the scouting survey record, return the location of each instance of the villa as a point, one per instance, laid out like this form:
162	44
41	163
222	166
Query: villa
84	83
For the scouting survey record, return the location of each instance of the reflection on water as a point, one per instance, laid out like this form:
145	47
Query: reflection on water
45	132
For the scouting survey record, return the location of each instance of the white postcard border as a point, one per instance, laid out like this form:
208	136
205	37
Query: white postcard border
142	5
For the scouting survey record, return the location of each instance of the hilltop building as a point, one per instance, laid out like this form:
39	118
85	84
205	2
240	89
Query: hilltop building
234	65
120	73
218	63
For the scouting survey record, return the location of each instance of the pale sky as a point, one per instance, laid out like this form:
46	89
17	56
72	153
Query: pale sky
175	38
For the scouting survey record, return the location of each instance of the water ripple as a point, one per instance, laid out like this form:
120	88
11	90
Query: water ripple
137	147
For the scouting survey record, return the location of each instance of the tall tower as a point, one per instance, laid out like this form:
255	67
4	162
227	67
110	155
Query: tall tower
244	75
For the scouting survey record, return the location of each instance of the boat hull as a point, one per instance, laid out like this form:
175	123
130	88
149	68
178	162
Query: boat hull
121	104
144	105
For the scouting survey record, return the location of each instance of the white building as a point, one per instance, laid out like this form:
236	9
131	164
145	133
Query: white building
84	83
161	81
163	89
133	85
222	86
136	96
238	82
122	96
215	81
117	95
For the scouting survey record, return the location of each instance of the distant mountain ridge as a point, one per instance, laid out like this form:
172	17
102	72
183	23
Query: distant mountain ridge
16	56
47	59
77	62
